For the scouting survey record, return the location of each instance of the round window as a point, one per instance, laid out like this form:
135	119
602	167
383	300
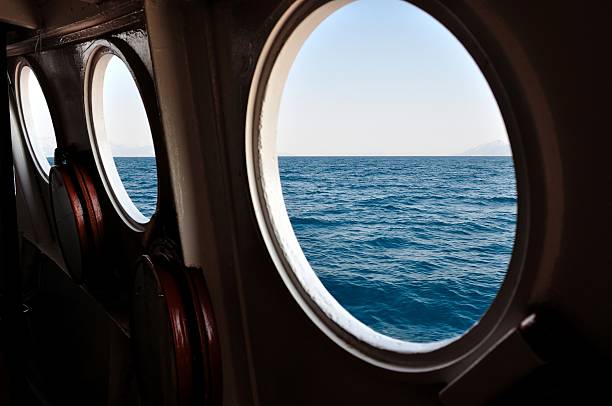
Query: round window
382	174
38	125
121	138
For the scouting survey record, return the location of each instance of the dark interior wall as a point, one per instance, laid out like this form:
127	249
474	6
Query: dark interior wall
565	43
58	15
75	350
75	338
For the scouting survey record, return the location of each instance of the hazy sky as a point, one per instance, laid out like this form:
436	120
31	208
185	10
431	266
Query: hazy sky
127	126
382	77
37	116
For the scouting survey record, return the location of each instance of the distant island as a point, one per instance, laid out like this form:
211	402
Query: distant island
494	148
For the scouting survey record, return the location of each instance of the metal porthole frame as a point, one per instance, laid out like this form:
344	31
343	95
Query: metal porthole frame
101	52
271	71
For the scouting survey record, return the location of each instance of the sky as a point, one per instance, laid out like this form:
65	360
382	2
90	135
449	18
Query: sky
125	118
37	116
382	77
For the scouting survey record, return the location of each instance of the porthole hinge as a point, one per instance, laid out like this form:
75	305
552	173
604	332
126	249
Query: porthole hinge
513	357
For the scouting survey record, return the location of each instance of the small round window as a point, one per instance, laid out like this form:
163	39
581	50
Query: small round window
121	138
382	174
37	119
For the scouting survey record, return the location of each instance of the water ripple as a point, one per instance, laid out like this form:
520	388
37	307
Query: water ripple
414	247
139	177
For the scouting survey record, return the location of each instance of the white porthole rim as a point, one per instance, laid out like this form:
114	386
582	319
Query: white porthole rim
40	161
272	214
320	306
94	76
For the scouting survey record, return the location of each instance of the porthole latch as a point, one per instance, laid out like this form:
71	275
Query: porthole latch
534	342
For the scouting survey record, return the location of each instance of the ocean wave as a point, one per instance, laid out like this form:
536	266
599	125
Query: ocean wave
387	242
313	221
413	247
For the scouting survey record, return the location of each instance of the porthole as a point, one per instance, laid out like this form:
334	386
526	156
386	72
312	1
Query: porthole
36	118
121	136
382	175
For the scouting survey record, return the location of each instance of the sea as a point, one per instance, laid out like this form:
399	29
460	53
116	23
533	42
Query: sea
139	177
414	247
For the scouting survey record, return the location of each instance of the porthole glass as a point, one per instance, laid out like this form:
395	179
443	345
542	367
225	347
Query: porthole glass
37	119
382	174
122	139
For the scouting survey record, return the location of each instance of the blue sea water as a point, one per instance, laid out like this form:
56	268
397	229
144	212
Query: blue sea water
139	177
414	247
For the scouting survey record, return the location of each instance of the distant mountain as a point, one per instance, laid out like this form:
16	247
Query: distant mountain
494	148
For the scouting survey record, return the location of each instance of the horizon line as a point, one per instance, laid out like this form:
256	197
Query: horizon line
342	156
